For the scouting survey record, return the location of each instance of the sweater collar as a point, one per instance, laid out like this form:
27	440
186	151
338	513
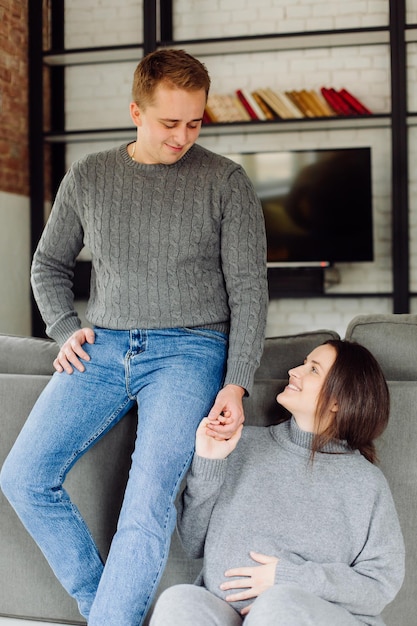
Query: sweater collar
304	439
151	167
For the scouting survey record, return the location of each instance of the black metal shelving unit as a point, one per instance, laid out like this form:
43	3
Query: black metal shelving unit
158	32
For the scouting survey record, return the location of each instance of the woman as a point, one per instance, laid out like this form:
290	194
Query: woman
296	524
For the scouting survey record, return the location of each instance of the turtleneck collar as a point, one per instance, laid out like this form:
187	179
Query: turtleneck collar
304	439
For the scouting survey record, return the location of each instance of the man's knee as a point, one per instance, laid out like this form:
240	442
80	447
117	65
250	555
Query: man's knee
8	480
17	481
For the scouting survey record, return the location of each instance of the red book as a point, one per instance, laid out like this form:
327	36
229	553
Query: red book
335	101
206	118
345	106
354	103
246	104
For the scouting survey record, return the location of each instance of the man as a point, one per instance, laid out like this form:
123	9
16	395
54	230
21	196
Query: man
177	307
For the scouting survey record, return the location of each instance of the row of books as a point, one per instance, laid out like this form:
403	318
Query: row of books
270	104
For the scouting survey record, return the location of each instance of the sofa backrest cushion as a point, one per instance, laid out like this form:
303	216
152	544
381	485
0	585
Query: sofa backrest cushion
27	355
282	353
392	339
398	460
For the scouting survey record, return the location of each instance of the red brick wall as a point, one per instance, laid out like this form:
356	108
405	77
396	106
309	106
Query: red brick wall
14	153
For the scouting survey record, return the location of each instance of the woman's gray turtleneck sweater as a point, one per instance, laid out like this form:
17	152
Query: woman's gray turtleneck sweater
331	523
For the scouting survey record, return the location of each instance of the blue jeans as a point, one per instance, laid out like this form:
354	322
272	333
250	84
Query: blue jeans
174	376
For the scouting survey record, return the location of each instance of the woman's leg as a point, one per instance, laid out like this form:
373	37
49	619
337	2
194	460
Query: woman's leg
70	415
188	605
176	375
288	605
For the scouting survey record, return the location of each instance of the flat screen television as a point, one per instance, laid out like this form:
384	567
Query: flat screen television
317	204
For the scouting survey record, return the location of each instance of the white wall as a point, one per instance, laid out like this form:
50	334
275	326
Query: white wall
98	96
15	316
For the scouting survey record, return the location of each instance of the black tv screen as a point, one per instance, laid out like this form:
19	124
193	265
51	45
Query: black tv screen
317	204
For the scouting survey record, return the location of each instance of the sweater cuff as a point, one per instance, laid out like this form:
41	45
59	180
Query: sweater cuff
240	373
209	469
286	572
64	328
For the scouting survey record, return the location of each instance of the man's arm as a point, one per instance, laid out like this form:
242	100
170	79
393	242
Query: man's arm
243	256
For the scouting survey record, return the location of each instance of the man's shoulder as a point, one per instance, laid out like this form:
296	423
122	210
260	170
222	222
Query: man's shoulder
95	158
203	154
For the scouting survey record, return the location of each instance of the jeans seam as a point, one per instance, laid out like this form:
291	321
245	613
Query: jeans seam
94	438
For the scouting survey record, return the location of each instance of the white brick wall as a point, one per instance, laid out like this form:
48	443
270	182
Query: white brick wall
411	12
413	205
98	97
288	316
224	18
364	70
412	76
93	23
99	94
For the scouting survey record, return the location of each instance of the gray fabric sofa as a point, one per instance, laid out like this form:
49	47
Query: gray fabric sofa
29	589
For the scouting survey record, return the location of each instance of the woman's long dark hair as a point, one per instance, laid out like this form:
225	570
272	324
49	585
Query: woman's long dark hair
356	382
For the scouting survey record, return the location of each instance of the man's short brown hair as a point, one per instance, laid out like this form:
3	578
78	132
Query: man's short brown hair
175	68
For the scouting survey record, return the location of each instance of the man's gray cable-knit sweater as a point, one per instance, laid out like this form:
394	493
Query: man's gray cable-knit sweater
332	523
179	245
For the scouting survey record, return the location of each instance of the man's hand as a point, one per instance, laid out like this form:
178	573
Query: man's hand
72	350
257	579
226	414
209	447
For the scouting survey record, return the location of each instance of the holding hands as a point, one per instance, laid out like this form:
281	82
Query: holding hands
210	447
226	414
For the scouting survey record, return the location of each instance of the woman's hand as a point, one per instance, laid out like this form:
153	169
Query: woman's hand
209	447
255	581
72	350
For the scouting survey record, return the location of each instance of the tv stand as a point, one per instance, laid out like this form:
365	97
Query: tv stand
295	281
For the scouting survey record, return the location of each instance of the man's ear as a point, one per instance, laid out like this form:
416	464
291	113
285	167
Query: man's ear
135	114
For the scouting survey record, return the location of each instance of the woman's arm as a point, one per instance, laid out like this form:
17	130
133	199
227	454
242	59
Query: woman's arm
204	483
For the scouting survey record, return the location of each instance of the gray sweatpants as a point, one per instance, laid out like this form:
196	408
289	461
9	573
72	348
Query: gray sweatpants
281	605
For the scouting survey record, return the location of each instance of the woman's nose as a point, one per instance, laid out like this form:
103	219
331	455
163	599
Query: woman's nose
294	371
